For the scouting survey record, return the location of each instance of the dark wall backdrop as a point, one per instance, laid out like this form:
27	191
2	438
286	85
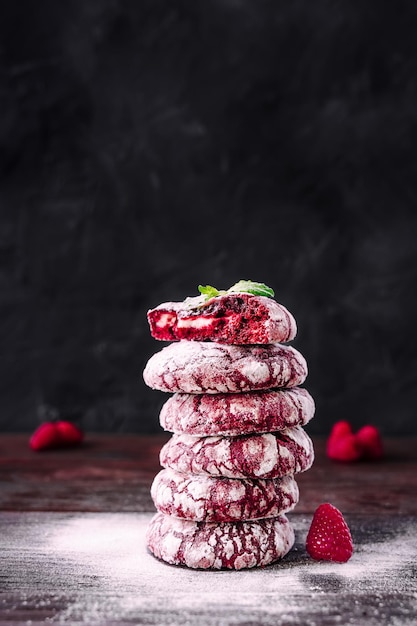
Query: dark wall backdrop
149	146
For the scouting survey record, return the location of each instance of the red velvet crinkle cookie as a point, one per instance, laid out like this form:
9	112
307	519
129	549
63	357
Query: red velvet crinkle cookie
210	499
235	318
237	414
229	545
205	367
268	455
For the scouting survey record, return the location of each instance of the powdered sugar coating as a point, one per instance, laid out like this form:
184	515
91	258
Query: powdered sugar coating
268	455
210	499
235	414
205	367
235	318
229	545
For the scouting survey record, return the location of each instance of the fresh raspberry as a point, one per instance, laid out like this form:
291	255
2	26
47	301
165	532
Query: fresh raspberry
329	537
342	444
340	429
369	442
60	434
45	437
69	434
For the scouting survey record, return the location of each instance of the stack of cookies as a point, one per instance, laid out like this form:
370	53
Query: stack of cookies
237	413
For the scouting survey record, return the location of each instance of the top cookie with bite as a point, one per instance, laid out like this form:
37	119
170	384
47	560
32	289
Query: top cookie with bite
244	314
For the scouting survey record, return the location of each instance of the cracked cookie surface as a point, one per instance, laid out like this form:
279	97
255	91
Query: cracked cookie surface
205	367
269	455
211	499
237	414
229	545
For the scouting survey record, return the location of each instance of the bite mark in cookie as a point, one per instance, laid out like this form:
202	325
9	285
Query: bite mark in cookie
269	455
210	499
235	414
200	367
229	545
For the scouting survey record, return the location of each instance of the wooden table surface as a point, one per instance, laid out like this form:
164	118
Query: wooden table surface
72	526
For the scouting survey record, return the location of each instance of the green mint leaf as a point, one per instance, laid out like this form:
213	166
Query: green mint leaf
243	286
208	291
249	286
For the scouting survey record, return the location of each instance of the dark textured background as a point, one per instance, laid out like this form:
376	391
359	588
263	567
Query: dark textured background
149	146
